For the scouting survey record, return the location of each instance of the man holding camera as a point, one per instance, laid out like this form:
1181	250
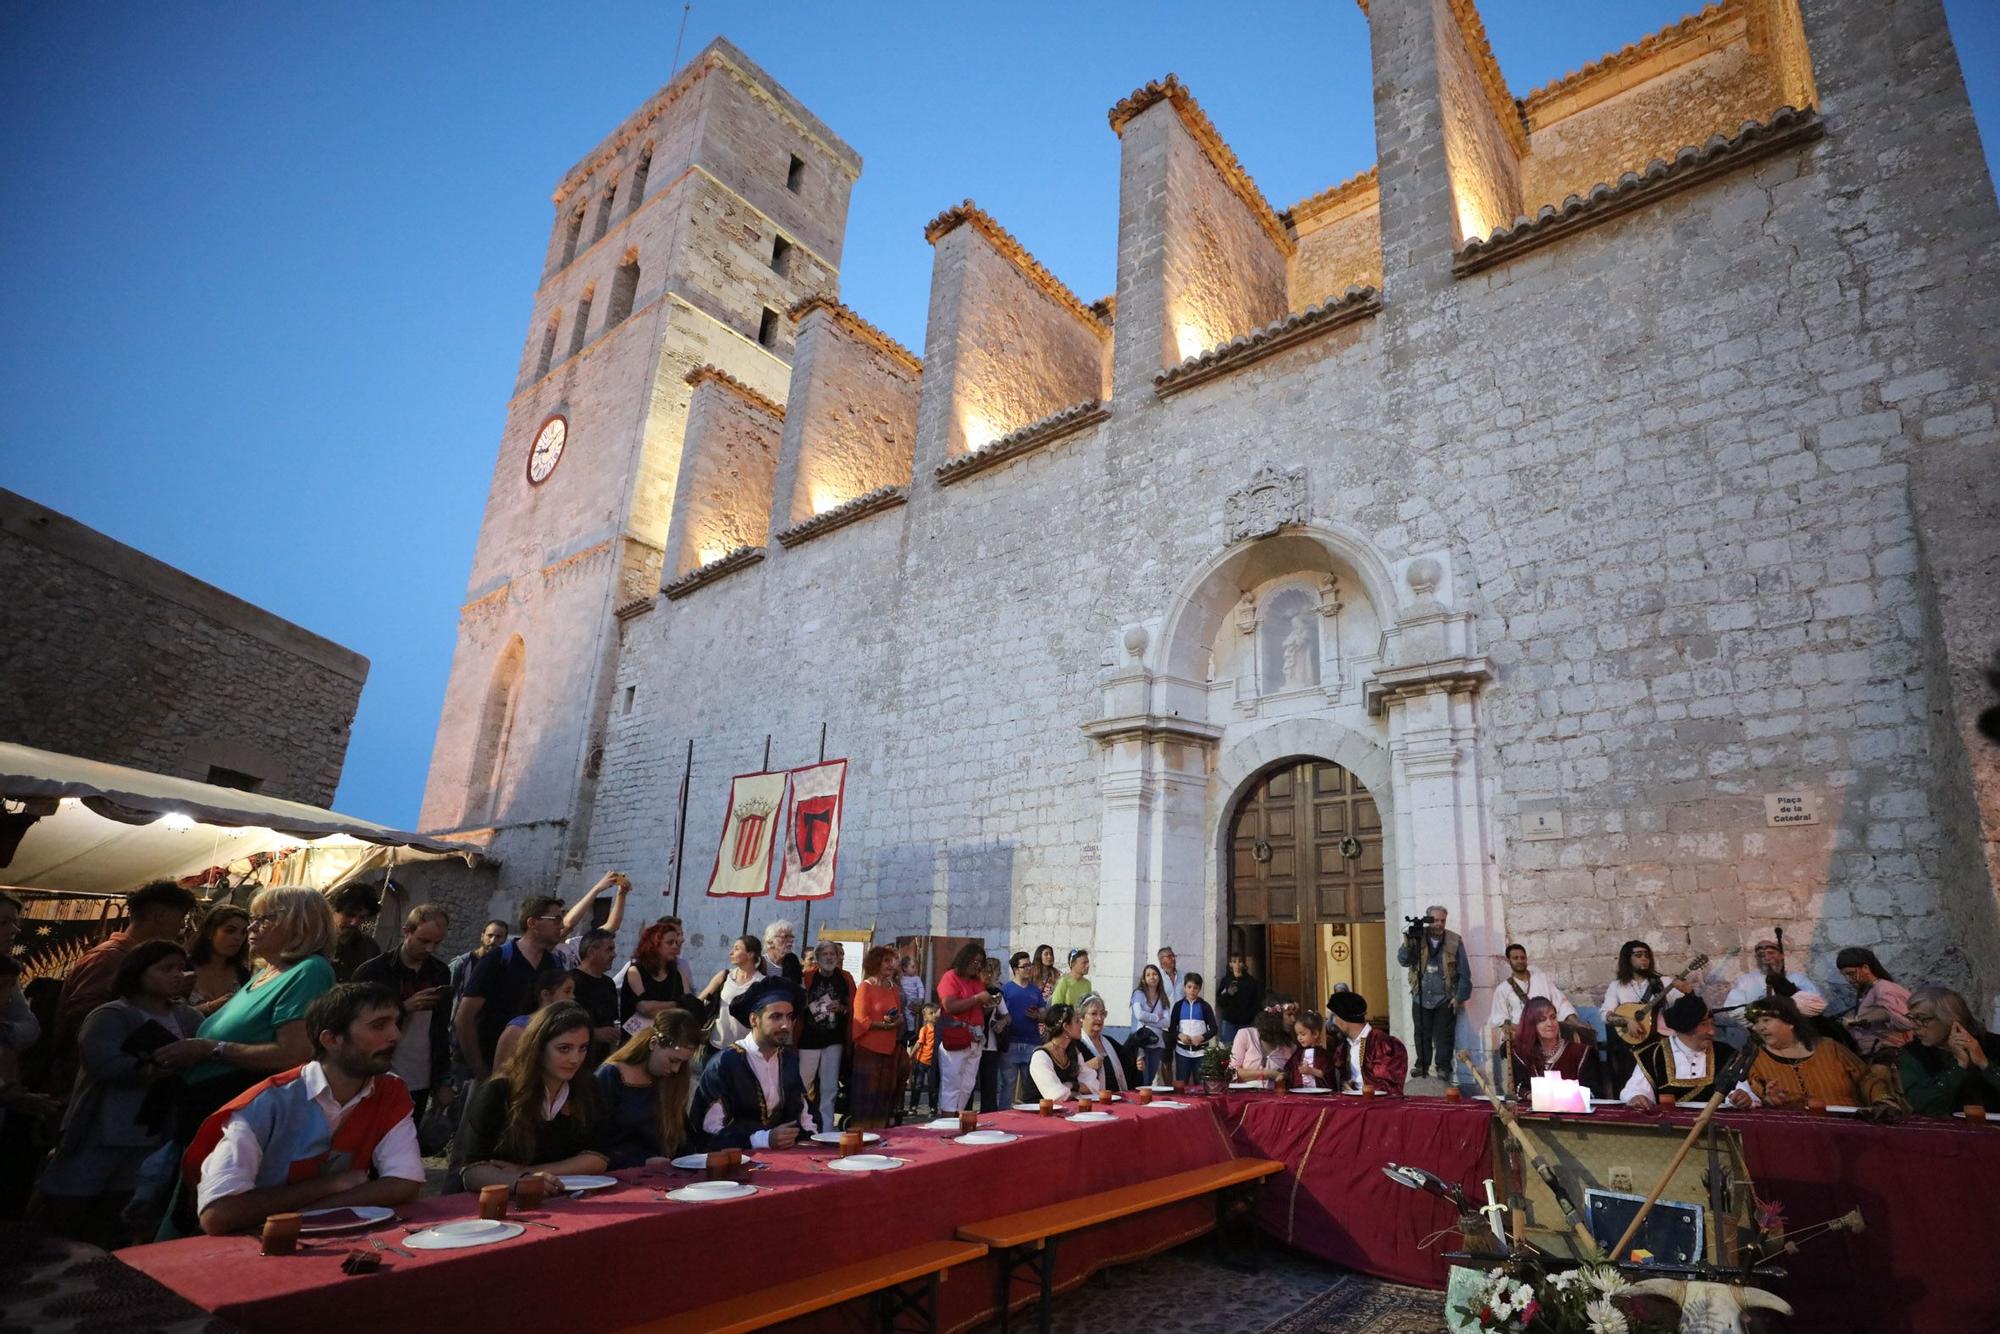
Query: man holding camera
1440	982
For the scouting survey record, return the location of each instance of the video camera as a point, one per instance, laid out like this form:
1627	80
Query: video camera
1417	925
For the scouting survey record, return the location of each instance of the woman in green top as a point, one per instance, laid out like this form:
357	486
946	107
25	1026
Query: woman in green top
261	1030
1075	984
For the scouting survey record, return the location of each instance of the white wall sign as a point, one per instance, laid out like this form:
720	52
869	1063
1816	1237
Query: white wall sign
1538	825
1783	808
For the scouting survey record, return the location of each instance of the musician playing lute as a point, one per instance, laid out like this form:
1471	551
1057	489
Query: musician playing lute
1637	982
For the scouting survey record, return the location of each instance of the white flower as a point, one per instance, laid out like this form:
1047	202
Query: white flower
1605	1318
1604	1279
1568	1279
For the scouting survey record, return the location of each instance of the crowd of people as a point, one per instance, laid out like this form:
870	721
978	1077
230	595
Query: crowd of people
209	1065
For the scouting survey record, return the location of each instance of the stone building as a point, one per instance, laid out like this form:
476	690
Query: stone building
1587	519
109	654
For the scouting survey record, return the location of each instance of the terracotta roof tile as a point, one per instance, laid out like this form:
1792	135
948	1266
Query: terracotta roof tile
869	502
1354	304
1786	127
861	328
716	375
1692	27
1334	196
741	558
1505	109
971	215
1172	90
1055	426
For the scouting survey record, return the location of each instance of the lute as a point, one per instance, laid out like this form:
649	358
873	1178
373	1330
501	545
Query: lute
1633	1022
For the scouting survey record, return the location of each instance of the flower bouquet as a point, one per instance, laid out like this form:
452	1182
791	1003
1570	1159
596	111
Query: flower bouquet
1592	1299
1215	1068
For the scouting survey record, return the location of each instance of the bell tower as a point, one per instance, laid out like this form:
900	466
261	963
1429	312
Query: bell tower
680	240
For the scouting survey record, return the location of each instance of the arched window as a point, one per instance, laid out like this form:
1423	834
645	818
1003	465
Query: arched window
638	191
547	358
604	209
573	234
576	335
496	726
624	284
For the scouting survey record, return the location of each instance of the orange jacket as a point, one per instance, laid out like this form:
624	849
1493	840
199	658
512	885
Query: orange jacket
926	1051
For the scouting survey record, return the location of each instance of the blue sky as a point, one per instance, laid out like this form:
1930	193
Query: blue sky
269	266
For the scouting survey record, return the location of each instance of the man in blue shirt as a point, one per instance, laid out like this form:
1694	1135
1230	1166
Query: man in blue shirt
1024	1025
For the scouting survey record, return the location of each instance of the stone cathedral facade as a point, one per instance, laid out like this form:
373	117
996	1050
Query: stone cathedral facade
1588	519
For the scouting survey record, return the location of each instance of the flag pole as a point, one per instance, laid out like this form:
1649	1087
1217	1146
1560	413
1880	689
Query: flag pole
805	932
767	870
681	827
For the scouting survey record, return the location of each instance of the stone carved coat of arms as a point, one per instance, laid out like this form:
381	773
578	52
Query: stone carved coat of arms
1270	500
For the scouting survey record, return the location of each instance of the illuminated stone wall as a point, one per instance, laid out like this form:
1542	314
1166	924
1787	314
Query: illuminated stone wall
851	422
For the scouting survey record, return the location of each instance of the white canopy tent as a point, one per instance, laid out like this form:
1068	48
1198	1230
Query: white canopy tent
104	828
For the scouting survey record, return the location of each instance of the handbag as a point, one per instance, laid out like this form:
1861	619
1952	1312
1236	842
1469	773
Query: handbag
1143	1037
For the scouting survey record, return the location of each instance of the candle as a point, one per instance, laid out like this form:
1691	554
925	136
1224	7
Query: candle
1553	1093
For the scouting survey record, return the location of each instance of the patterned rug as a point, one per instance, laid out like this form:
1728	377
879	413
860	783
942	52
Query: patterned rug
51	1286
1359	1305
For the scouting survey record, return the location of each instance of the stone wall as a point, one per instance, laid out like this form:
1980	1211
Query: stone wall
728	458
851	422
109	654
1340	242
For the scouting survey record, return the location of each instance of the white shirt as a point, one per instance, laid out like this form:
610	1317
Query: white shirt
1355	1046
1689	1063
231	1167
767	1069
1091	1080
1042	1069
1753	985
1507	1006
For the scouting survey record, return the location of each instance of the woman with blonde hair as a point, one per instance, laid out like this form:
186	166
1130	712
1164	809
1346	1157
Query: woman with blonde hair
646	1086
261	1029
538	1115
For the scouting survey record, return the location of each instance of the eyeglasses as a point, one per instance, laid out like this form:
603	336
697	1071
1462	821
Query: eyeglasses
263	919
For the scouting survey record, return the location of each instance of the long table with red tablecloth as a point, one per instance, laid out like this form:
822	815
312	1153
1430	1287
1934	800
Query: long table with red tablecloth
1928	1190
1930	1259
626	1256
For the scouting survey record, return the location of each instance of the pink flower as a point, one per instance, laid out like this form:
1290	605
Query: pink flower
1529	1312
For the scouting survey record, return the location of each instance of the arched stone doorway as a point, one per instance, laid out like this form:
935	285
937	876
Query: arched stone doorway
1306	892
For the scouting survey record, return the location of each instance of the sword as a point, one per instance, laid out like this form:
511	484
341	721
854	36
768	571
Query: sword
1590	1249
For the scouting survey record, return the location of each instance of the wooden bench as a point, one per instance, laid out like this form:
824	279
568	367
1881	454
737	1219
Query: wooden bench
1027	1240
887	1276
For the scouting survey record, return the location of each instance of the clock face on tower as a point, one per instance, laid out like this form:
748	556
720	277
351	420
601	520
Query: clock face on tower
547	449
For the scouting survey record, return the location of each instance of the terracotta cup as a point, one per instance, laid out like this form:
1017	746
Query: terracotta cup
968	1121
1279	1086
1048	1107
530	1189
1144	1095
1816	1106
1104	1095
1667	1101
722	1162
281	1233
1974	1114
850	1143
1452	1093
1367	1089
493	1201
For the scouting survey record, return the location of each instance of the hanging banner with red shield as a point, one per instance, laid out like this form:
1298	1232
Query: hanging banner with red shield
749	833
812	834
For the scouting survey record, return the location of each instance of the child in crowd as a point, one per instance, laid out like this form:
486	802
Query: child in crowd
923	1061
912	983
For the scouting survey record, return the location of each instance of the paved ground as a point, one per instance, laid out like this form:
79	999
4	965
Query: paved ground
1182	1291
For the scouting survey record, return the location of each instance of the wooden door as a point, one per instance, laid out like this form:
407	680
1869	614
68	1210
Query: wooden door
1305	847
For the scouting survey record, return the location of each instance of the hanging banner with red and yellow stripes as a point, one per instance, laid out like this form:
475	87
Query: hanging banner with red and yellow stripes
749	832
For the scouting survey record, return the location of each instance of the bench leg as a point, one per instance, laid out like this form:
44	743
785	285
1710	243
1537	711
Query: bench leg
922	1303
1040	1264
1233	1207
1048	1275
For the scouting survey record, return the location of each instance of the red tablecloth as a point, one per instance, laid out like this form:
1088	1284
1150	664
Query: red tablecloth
1927	1189
626	1256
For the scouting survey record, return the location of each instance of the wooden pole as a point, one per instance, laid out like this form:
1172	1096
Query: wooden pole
762	769
1700	1124
681	826
1536	1161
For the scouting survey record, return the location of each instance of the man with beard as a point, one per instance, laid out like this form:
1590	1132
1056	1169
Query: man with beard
334	1132
750	1096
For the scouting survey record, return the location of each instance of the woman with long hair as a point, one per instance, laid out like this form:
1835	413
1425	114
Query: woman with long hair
554	985
219	957
745	967
645	1087
1046	970
1057	1065
122	1107
653	981
1795	1067
1150	1007
1262	1050
875	1083
1882	1004
1541	1047
1951	1061
538	1115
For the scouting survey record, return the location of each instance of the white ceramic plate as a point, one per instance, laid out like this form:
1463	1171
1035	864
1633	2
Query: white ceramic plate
707	1192
943	1123
1841	1109
1161	1088
321	1221
1093	1116
1249	1084
1163	1102
1990	1116
864	1162
583	1185
986	1137
833	1137
457	1236
698	1162
1028	1106
1312	1090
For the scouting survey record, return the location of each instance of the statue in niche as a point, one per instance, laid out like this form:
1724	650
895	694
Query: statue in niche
1290	632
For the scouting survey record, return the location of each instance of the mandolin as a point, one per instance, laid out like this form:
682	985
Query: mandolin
1632	1022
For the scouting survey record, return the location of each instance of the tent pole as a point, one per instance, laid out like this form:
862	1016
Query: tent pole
680	827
